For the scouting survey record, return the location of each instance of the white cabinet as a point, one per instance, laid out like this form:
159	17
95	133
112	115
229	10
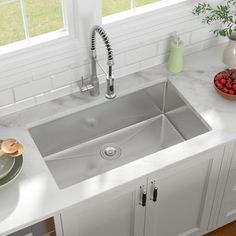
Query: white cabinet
119	216
228	204
178	202
185	197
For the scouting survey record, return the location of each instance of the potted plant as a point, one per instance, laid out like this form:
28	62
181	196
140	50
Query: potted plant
225	15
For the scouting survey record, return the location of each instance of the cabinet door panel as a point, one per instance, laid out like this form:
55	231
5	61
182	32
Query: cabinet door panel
228	205
231	186
119	216
228	210
185	198
234	159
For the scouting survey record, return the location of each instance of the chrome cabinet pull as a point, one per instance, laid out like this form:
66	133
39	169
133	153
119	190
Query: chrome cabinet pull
144	199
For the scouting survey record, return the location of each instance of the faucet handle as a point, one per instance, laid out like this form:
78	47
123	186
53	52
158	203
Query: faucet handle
85	87
82	82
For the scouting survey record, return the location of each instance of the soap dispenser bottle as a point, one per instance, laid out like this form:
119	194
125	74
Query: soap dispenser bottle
175	62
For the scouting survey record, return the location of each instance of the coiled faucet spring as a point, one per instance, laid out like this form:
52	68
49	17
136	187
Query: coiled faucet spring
93	86
104	36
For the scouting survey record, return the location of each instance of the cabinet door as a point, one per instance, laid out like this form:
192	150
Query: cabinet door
228	204
185	197
115	216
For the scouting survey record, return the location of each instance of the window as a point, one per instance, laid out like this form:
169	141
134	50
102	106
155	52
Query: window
22	20
110	7
36	31
115	10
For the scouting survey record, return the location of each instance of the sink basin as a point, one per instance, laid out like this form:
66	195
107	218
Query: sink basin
100	138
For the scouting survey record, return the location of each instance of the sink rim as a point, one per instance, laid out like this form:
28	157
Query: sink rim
102	101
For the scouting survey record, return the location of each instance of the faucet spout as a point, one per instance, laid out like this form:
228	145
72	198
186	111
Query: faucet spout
110	85
110	94
98	29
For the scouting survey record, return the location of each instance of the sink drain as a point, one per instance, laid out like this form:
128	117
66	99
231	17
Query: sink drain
110	151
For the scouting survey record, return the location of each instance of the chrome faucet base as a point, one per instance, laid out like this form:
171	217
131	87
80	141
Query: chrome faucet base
110	96
96	90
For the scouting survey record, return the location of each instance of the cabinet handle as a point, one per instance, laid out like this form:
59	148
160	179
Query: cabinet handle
143	196
155	193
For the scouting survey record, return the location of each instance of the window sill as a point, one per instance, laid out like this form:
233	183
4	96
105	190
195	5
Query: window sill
139	11
24	45
22	55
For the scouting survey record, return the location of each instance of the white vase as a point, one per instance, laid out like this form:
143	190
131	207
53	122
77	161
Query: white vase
229	55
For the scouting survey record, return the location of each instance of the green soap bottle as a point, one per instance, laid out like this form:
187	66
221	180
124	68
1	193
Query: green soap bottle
175	62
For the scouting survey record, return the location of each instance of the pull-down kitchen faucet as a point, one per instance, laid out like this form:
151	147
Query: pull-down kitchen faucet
93	85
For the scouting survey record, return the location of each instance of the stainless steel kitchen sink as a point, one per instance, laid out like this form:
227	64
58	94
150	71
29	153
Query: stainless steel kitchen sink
97	139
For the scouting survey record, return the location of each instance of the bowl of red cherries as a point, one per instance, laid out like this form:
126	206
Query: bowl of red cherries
225	83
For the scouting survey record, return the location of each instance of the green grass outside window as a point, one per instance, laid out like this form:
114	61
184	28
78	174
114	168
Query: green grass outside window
45	16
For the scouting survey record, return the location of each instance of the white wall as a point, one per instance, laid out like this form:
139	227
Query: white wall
138	42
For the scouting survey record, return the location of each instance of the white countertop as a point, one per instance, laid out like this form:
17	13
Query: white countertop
34	195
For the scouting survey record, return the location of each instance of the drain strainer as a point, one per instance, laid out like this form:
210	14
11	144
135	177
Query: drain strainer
110	151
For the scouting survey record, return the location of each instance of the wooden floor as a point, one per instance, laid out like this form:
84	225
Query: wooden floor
228	230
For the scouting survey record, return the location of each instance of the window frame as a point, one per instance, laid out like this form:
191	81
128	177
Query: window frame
30	41
22	49
70	17
43	48
75	43
148	8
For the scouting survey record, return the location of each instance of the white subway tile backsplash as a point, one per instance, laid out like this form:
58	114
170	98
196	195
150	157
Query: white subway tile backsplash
152	62
163	46
75	87
6	97
200	35
32	88
127	70
186	37
13	81
140	54
49	71
81	71
79	64
18	106
56	93
64	78
119	61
